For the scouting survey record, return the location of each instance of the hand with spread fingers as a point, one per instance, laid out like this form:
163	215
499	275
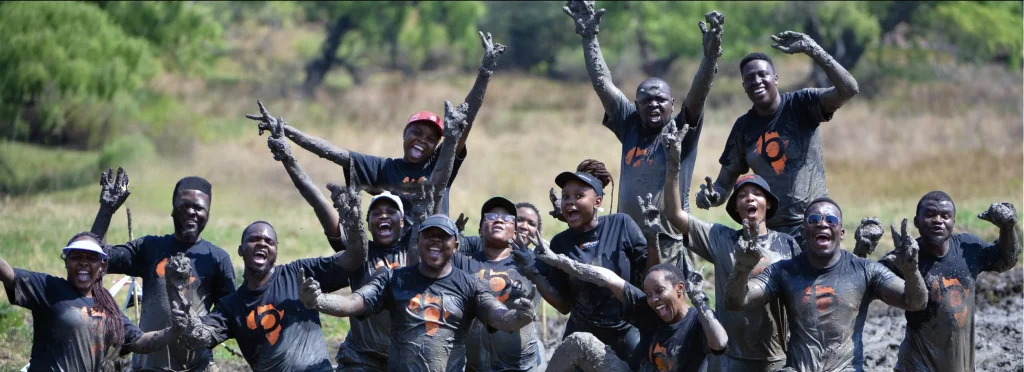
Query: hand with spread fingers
266	121
652	216
460	223
113	190
708	195
587	20
1003	215
524	257
749	253
492	51
790	42
712	34
867	236
309	292
695	288
348	202
556	205
672	140
906	252
455	120
522	311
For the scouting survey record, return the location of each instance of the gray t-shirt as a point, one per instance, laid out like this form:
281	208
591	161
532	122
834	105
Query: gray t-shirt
783	148
758	334
643	159
822	306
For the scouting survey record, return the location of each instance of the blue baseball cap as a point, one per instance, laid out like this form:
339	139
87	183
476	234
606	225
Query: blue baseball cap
584	177
440	221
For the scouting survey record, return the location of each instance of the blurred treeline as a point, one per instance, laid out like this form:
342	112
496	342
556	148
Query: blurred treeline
75	74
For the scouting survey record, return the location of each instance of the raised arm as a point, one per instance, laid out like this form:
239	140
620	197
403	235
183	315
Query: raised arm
1004	216
475	98
330	304
672	139
316	145
113	193
7	275
526	263
867	236
704	79
456	126
910	294
587	21
652	227
845	86
517	315
742	293
347	201
713	330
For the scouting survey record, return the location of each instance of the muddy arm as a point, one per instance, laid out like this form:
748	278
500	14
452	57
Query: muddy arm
316	145
672	139
595	275
455	129
525	260
584	351
741	291
587	21
113	193
713	330
910	295
1004	216
330	304
475	98
702	81
153	341
845	86
347	201
517	315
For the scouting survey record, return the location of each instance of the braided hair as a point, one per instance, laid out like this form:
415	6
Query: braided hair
598	170
104	301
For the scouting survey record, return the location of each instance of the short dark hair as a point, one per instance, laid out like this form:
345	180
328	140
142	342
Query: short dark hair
755	56
193	183
90	234
675	274
937	196
535	210
823	199
260	222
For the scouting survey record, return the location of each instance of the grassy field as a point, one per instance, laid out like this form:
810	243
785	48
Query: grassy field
961	134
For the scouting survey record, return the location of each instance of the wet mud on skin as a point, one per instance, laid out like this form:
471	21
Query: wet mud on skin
997	322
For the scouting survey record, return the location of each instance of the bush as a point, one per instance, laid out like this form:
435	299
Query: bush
124	150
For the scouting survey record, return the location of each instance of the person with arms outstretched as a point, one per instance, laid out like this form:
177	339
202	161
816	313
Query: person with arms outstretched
778	139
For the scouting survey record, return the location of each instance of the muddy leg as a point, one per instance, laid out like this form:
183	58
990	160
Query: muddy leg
585	351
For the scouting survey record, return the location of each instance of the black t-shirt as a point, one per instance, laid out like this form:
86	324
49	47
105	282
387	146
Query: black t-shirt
275	332
397	175
643	159
213	278
470	245
615	244
664	347
67	328
372	334
430	317
785	149
509	351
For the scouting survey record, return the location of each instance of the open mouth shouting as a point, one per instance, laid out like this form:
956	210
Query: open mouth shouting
823	239
417	150
83	276
385	229
434	252
654	116
259	256
571	214
751	210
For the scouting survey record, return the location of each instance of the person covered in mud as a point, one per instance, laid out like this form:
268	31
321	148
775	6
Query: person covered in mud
490	350
941	337
275	332
637	123
673	338
758	336
420	140
822	287
432	304
76	324
778	139
146	258
613	242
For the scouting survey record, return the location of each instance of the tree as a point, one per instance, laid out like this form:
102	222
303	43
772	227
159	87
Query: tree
184	32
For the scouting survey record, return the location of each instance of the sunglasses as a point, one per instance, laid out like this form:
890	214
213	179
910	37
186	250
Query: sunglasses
506	218
815	219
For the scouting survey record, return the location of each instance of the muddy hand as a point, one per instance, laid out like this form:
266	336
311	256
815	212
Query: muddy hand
906	249
712	32
544	253
695	288
347	202
867	236
708	195
454	120
556	205
492	51
524	258
790	42
652	216
1003	215
309	291
113	190
672	140
749	253
460	223
584	16
524	311
179	321
266	121
279	145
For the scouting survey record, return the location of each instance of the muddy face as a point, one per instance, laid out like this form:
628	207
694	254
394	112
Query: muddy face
760	83
497	226
385	222
751	203
822	239
527	221
935	220
84	268
191	210
654	103
436	248
258	249
579	205
419	142
665	298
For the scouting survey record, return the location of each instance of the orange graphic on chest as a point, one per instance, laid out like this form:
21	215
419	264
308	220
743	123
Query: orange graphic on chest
659	356
269	319
952	294
638	153
431	309
773	149
823	296
161	269
499	282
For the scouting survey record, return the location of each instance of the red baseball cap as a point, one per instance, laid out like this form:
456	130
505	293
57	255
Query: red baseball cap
426	116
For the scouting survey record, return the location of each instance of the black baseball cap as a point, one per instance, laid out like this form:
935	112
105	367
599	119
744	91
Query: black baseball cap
584	177
496	202
440	221
773	201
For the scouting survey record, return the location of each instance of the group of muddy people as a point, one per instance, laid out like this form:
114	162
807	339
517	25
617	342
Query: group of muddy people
425	296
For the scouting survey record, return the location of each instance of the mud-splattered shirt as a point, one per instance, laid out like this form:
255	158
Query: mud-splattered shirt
275	332
509	351
664	347
785	149
213	277
399	176
372	334
758	334
615	244
430	317
67	328
644	159
941	337
821	306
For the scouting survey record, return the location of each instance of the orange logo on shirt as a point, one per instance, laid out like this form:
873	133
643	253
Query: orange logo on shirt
97	327
382	264
637	153
658	355
161	269
951	294
269	319
823	297
773	149
414	180
430	309
500	282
